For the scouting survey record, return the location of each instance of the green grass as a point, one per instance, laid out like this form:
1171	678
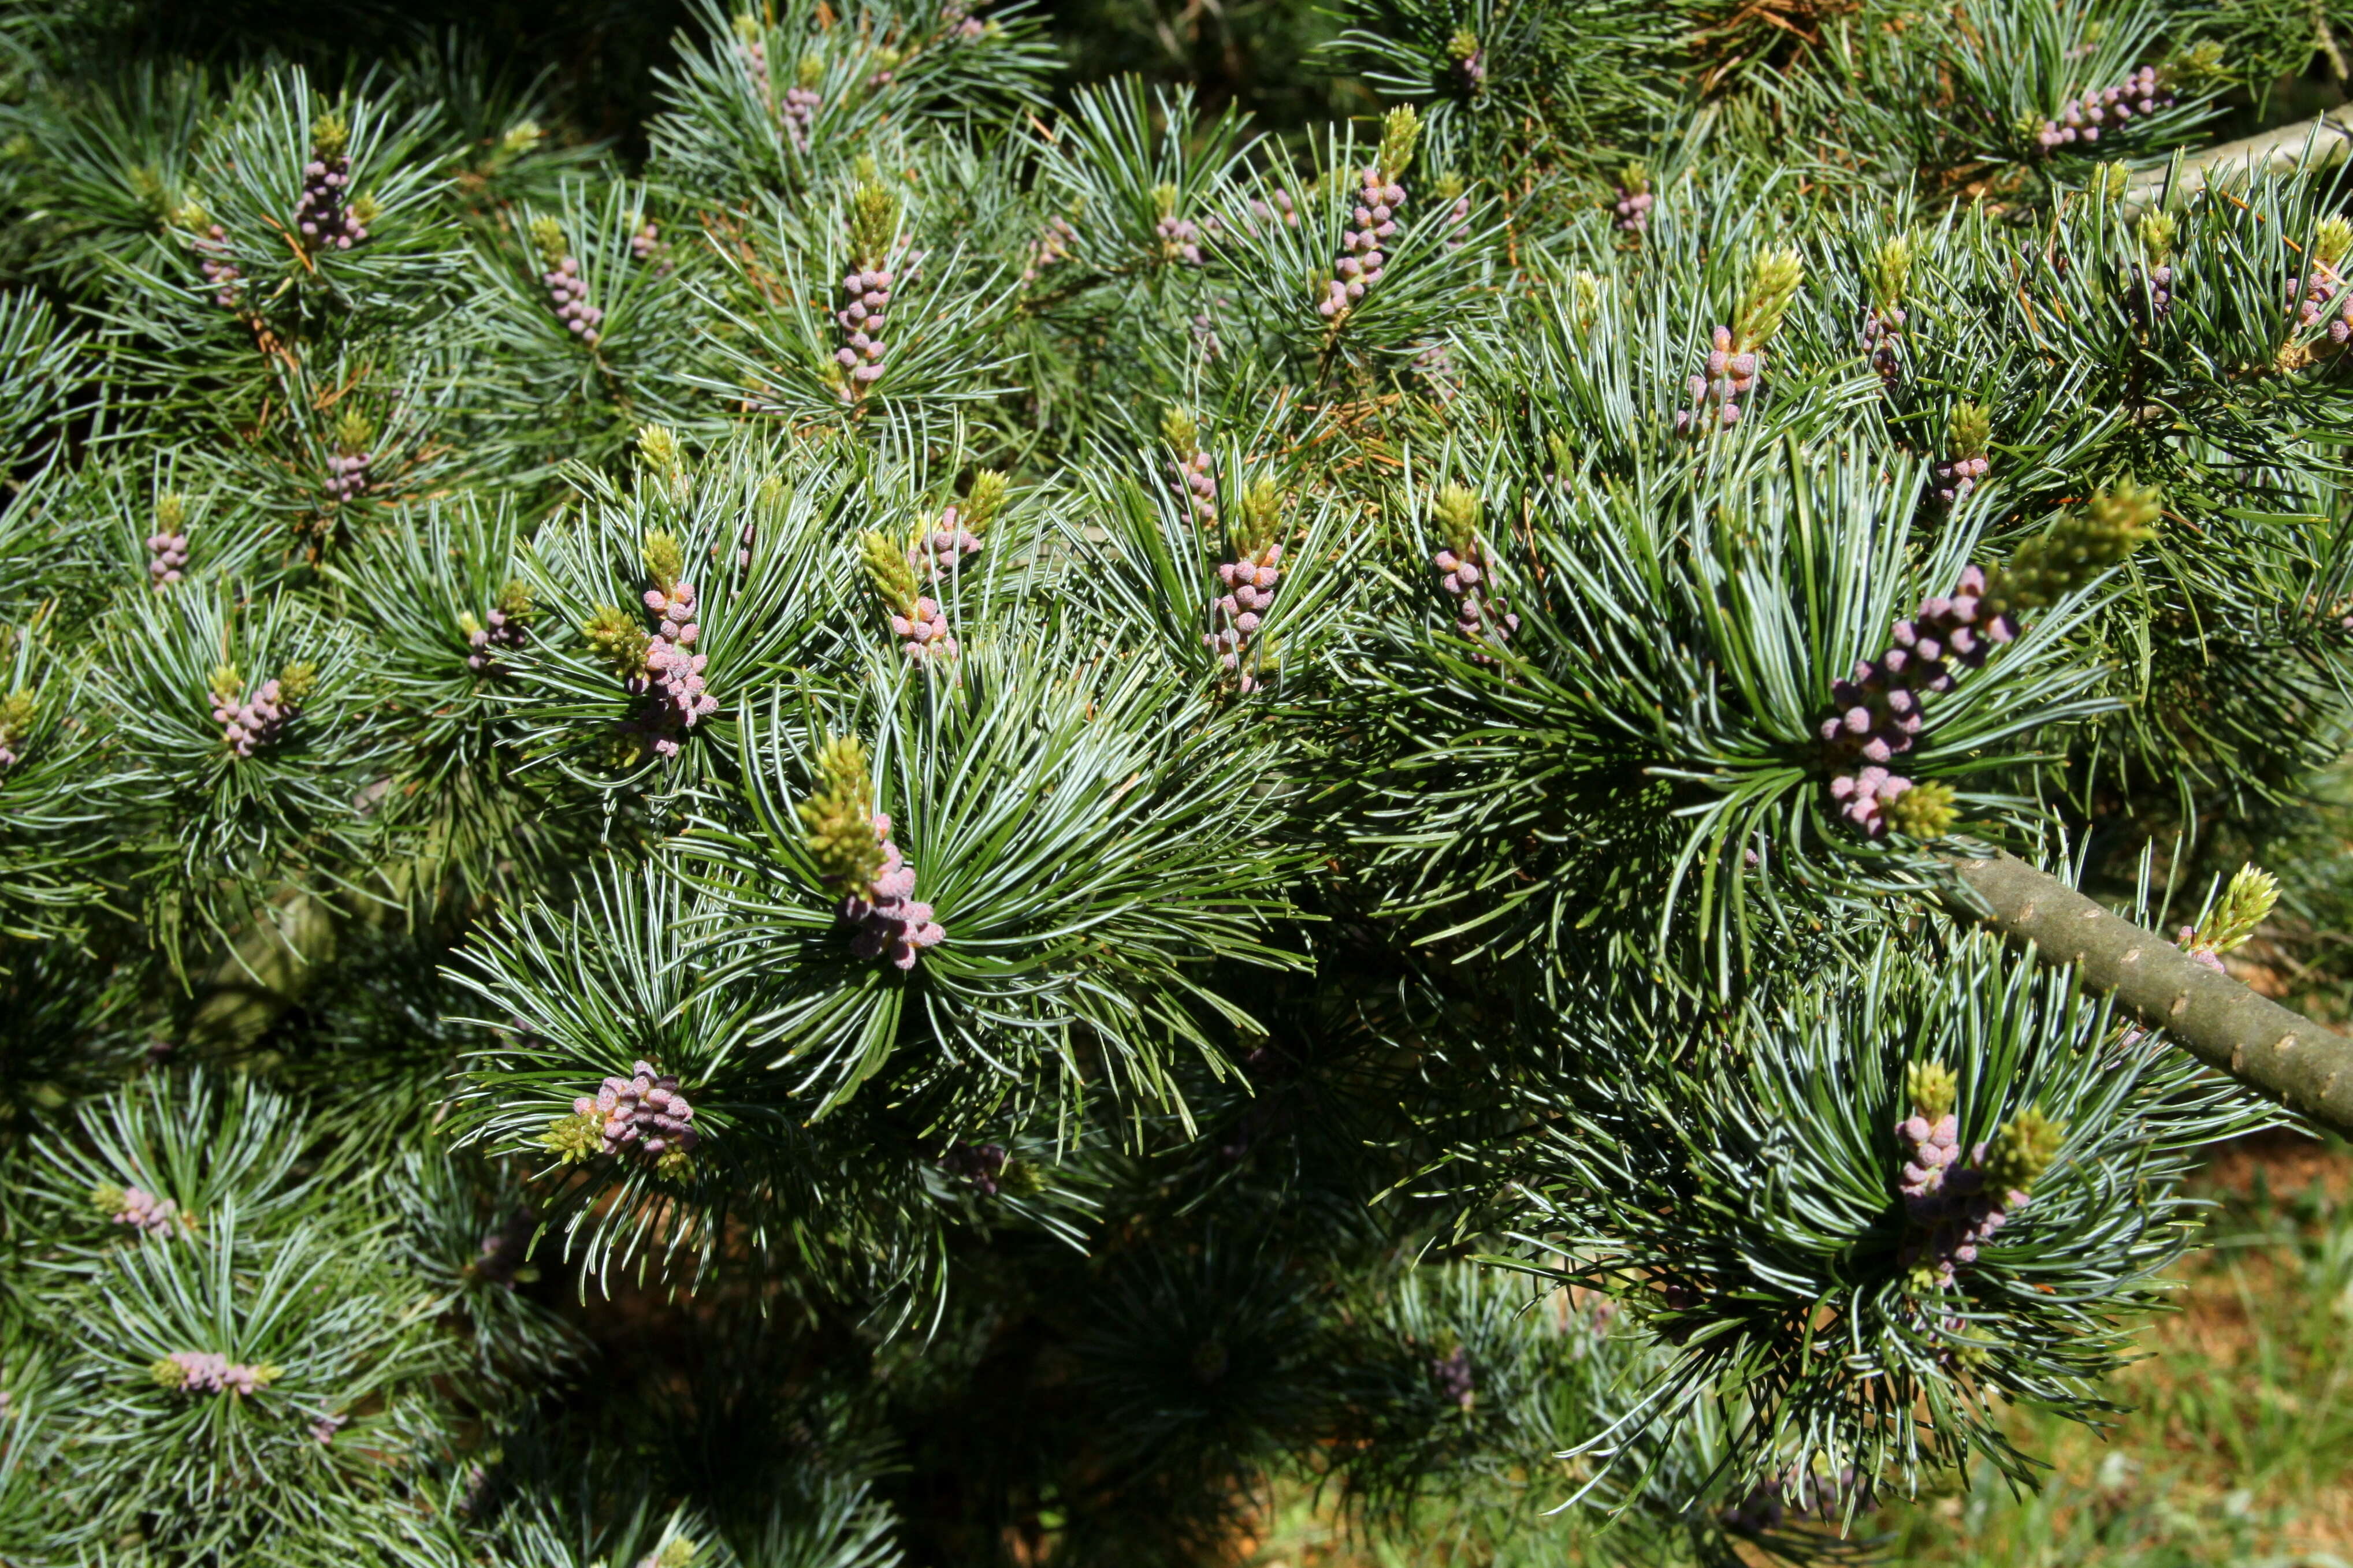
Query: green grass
2238	1449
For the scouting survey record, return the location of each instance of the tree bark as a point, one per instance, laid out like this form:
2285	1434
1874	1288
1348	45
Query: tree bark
2280	1054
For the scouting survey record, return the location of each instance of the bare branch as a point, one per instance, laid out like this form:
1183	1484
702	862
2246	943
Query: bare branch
2308	144
2280	1054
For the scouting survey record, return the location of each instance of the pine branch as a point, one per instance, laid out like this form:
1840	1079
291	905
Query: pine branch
2281	1053
2325	41
266	969
2308	146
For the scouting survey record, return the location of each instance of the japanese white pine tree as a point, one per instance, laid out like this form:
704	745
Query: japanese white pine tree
923	812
